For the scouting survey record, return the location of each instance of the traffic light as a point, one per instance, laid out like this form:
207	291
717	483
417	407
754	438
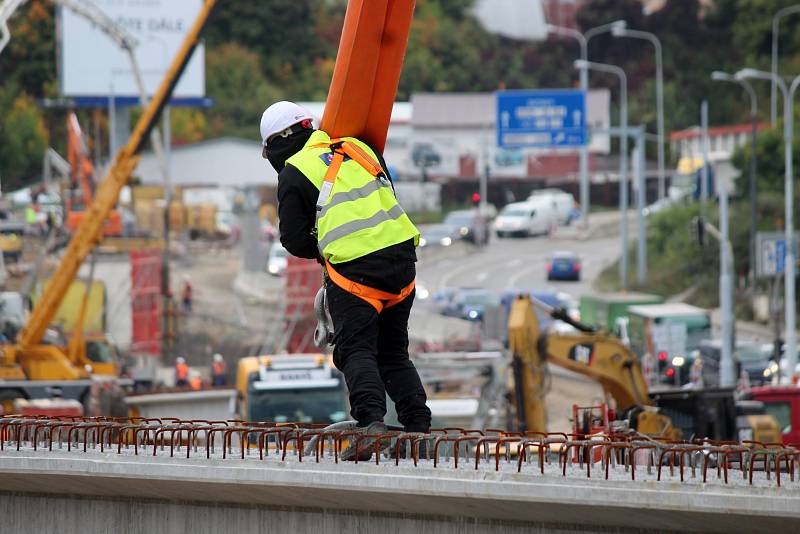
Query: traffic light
476	199
663	368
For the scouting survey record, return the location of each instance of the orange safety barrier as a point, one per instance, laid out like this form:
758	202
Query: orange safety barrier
367	72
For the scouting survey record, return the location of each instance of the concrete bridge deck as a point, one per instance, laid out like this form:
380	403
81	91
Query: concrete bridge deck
106	492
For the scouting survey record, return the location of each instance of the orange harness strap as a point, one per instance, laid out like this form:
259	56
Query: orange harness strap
354	152
377	298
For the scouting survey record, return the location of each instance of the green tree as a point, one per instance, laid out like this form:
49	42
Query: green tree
770	156
29	60
239	89
23	139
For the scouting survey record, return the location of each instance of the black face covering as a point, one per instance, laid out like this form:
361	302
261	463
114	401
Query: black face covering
283	148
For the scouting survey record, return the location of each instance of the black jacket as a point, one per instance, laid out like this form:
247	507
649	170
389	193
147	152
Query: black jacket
388	269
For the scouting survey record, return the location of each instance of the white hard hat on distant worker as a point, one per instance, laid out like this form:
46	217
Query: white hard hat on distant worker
278	119
218	357
180	360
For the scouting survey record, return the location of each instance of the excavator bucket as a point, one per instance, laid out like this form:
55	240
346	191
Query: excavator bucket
367	71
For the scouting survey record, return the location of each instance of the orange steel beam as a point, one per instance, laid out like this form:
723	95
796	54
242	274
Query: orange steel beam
367	72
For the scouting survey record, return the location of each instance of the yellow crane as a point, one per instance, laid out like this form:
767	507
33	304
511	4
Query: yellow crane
27	361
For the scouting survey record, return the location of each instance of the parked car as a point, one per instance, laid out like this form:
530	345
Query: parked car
523	219
278	259
563	265
438	235
470	303
468	224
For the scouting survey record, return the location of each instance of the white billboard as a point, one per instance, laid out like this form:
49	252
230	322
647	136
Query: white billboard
92	65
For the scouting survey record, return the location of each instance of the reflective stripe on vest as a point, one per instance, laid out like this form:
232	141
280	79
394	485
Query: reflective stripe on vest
360	214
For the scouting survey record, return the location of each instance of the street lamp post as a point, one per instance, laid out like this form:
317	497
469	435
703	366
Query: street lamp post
720	76
623	161
651	37
791	253
776	19
583	162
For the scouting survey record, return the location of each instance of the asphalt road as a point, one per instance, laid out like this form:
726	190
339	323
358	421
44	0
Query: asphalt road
520	263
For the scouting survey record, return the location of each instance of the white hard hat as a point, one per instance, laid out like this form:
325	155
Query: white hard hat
218	357
180	360
280	116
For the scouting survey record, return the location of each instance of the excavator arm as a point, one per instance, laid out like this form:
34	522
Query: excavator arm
594	354
90	229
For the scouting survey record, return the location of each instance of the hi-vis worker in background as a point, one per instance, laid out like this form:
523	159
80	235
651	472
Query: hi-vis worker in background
219	370
181	372
336	204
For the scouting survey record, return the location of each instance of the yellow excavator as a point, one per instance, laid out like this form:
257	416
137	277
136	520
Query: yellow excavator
711	413
30	368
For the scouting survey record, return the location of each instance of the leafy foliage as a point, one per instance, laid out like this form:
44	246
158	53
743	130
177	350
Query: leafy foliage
261	51
23	138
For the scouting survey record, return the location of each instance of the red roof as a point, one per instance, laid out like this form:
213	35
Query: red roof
691	133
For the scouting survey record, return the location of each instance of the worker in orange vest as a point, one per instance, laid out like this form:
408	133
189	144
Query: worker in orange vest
218	370
195	382
181	372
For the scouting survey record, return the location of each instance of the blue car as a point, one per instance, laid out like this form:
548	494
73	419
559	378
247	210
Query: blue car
564	266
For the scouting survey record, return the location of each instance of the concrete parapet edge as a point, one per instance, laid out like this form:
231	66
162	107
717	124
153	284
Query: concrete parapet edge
526	498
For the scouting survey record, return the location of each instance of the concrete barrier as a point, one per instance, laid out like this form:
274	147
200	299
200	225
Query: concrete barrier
93	492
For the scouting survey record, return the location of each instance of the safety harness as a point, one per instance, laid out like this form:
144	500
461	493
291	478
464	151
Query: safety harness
341	149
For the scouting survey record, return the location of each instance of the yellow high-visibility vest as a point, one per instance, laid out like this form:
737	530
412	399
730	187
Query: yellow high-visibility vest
360	214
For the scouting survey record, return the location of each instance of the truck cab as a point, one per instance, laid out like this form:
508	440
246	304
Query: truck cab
783	403
666	336
11	239
303	388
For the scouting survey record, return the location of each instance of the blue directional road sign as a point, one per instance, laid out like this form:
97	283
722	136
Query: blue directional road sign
548	118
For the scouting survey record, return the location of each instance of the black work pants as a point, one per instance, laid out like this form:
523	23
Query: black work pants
371	350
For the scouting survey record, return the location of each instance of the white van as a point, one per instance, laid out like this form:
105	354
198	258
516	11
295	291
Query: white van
524	219
561	203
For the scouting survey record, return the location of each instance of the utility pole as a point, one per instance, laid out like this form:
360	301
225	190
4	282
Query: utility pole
776	19
791	252
641	197
653	38
704	149
623	161
720	76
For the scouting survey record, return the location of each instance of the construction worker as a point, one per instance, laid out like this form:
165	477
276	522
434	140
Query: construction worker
187	294
181	372
336	204
218	370
195	380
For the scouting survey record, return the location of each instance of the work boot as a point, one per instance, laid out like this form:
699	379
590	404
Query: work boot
422	450
365	446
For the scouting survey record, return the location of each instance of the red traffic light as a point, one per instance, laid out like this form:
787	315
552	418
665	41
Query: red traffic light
662	356
670	372
476	198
